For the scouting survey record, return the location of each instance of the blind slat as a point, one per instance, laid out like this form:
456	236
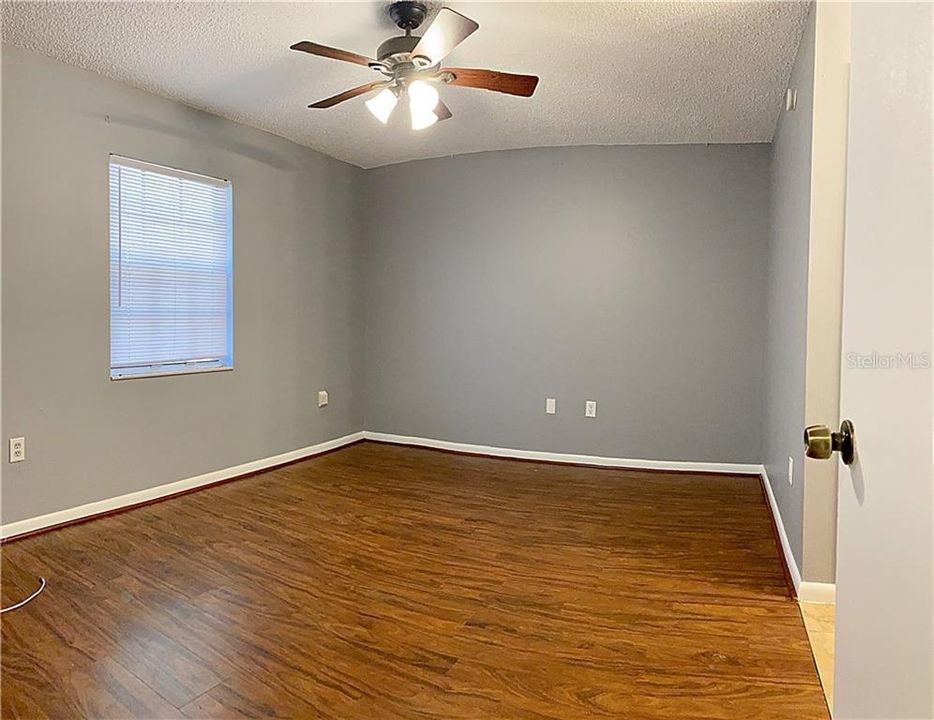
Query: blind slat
170	267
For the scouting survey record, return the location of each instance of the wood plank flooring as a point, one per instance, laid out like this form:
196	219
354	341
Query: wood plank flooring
389	582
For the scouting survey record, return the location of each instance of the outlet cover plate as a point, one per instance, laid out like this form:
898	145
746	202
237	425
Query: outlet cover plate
17	449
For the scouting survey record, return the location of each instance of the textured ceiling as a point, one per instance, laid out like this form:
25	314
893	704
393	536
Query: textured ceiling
611	73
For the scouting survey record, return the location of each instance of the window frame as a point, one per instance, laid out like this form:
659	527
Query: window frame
135	371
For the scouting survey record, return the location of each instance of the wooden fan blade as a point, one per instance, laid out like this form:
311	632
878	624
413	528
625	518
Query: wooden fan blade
329	52
442	111
348	94
448	30
508	83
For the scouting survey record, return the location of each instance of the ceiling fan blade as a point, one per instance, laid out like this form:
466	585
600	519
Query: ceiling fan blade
329	52
349	94
448	30
503	82
442	111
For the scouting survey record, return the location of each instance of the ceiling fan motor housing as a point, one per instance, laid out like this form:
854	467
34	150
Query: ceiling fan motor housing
397	48
396	53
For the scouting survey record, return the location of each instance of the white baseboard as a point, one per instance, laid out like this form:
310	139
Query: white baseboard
594	460
817	592
102	506
783	536
807	591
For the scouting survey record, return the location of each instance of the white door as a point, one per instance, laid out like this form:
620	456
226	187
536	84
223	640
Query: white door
885	567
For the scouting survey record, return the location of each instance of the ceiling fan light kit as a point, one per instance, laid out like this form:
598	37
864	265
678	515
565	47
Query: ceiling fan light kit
382	105
412	68
423	99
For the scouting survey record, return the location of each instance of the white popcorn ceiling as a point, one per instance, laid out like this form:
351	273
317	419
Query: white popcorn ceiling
611	73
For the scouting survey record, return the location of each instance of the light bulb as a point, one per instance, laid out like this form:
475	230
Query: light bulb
423	99
422	118
422	96
382	105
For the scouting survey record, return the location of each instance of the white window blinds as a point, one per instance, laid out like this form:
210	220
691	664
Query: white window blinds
170	270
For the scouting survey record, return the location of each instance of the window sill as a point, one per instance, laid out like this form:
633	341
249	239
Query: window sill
169	373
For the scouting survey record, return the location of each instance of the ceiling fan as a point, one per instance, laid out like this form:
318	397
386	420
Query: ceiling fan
411	65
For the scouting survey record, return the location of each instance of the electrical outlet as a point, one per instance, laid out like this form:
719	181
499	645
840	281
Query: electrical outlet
791	470
590	408
322	398
17	449
550	406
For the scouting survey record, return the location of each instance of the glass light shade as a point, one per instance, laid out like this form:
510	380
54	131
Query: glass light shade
422	118
382	105
423	99
422	96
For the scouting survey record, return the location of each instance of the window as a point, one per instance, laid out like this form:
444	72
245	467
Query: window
170	271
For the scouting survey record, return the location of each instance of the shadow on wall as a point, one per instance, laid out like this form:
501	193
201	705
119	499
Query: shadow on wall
207	129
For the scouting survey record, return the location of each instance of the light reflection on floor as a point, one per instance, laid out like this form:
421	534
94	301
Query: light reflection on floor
819	621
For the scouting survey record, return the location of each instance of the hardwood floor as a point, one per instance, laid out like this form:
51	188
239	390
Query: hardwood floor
388	582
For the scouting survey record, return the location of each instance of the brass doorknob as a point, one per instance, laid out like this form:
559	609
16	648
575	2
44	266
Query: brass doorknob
820	443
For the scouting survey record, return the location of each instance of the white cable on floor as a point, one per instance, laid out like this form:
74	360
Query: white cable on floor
23	602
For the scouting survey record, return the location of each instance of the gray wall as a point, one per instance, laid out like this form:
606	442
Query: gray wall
633	276
455	295
297	295
787	288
